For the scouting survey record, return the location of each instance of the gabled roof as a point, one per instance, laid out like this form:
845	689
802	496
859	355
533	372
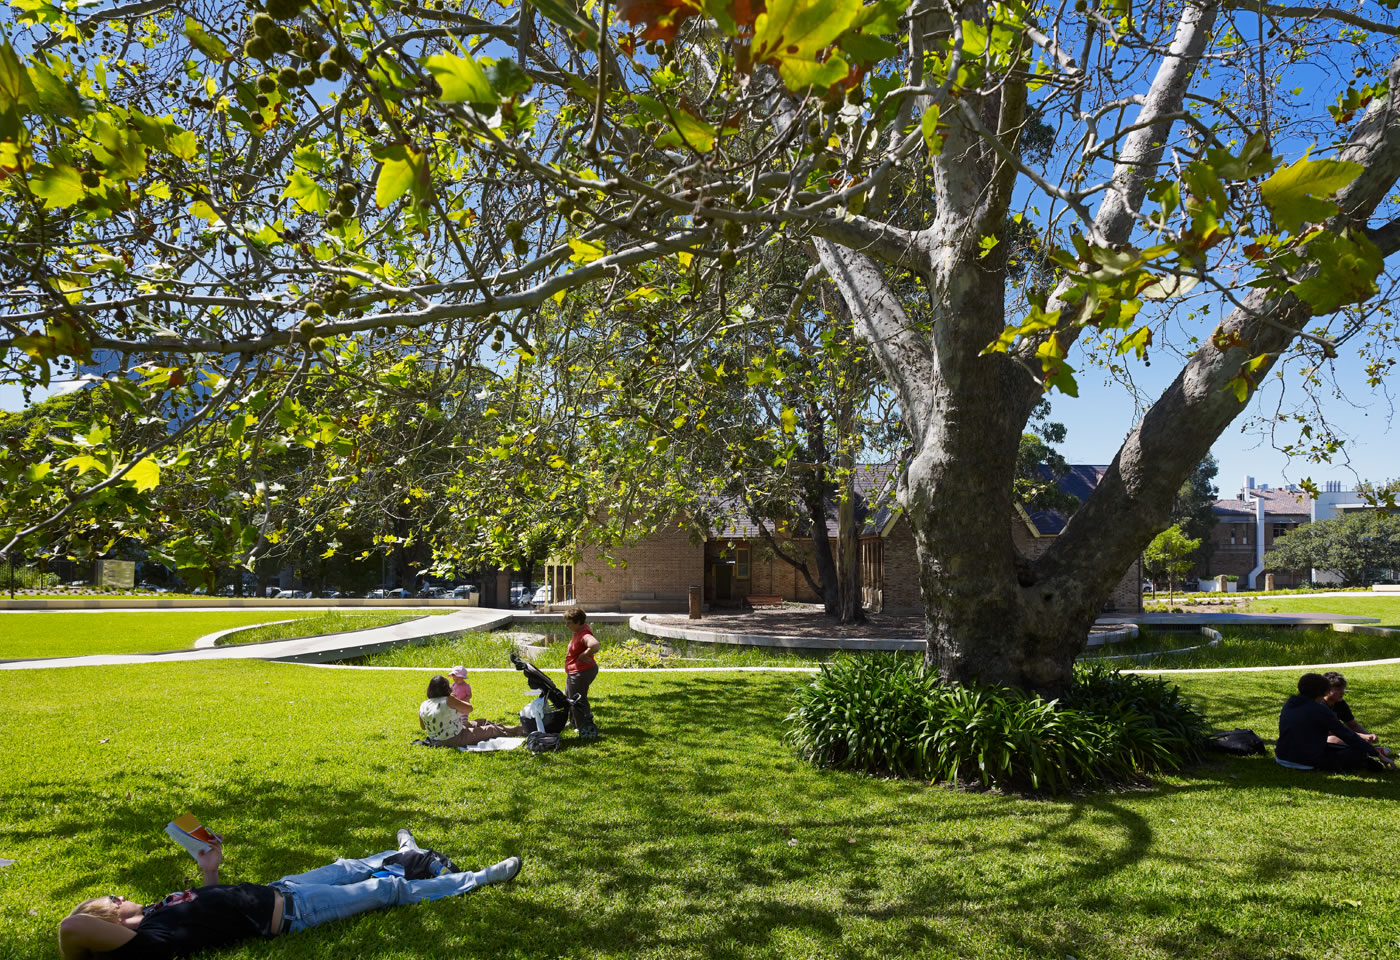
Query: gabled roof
875	506
1286	503
1081	480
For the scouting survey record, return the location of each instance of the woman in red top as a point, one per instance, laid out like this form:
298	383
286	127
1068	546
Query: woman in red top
580	668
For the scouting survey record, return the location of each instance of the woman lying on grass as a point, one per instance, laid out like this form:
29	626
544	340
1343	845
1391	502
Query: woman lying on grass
444	717
217	914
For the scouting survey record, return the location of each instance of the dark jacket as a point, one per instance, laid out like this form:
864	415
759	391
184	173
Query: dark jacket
1303	726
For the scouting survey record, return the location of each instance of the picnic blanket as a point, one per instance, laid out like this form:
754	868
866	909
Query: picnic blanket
485	746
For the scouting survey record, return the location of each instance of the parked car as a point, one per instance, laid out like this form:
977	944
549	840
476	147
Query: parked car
378	594
291	595
543	595
399	593
465	592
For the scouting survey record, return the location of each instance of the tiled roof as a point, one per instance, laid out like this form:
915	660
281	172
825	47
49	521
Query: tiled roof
1276	503
1081	481
874	505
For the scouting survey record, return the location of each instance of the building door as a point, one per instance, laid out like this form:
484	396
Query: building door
724	574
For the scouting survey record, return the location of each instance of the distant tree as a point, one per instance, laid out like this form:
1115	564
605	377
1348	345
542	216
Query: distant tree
1357	547
1169	555
1193	509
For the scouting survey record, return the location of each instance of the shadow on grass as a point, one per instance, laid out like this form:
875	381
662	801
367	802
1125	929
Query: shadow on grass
691	830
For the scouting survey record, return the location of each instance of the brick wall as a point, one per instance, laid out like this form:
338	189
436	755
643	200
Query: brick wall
664	566
902	595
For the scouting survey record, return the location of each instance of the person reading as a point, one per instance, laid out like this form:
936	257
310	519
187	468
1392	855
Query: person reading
218	914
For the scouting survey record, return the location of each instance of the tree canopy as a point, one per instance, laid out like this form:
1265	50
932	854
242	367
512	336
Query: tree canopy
1360	547
557	215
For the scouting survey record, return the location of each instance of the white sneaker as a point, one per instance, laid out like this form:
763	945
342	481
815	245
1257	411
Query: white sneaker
406	841
500	872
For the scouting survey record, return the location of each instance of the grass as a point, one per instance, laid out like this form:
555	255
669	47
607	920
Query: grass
689	831
1250	647
621	647
82	633
1361	605
334	621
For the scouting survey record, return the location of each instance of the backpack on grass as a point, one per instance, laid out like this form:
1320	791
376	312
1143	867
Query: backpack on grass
1240	742
540	742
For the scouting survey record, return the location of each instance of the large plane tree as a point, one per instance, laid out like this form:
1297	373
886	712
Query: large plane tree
216	207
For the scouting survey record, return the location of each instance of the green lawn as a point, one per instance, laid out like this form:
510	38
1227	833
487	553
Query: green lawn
76	634
1361	605
332	621
1248	647
621	647
690	831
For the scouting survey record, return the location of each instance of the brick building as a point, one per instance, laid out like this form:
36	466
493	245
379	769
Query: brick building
737	561
1247	526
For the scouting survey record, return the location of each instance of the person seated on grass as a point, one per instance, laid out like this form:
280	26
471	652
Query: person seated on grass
1305	725
1336	699
216	914
444	718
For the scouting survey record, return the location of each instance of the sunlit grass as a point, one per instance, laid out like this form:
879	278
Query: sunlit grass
689	831
1387	608
334	621
82	633
1247	647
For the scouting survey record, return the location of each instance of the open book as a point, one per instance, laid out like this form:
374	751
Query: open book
188	832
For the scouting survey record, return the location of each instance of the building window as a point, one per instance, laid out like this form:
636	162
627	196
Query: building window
741	562
560	578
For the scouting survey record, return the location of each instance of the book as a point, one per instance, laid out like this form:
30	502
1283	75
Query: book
188	832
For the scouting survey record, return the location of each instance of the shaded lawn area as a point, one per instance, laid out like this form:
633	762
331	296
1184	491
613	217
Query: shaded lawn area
80	633
690	831
1360	605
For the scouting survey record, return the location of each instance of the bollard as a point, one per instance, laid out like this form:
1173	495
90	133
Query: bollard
695	601
1268	581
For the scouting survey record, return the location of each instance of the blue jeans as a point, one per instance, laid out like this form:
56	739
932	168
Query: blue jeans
346	887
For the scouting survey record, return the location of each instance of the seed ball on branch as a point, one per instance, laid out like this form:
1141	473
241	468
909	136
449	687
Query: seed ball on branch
267	83
520	246
654	129
306	327
306	76
515	229
317	344
346	208
330	70
287	77
728	260
91	179
341	54
258	49
262	23
284	9
261	100
334	221
314	309
346	191
279	39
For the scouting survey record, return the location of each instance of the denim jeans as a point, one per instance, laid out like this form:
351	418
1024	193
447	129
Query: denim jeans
346	887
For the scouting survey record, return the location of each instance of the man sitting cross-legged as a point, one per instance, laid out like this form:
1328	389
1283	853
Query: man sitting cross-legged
216	914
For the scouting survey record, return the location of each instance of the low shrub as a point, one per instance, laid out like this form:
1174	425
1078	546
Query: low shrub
888	715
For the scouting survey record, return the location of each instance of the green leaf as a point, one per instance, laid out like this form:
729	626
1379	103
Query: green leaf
1296	194
15	86
867	49
928	123
37	471
507	79
584	30
59	185
210	46
585	252
800	28
686	130
55	96
399	173
461	78
1348	265
308	194
183	145
145	475
789	420
800	74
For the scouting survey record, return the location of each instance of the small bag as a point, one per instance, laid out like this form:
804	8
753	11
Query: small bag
540	742
1240	742
417	865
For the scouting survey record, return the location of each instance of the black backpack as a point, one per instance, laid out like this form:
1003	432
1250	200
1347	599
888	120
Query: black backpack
540	742
1240	742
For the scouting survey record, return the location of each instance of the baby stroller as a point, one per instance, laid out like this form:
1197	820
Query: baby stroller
545	717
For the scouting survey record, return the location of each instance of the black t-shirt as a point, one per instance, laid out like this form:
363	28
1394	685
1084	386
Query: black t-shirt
204	918
1303	726
1343	712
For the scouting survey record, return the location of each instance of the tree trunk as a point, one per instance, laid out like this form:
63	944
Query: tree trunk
816	497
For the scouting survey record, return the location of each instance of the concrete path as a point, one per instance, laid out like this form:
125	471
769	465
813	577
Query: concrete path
335	646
